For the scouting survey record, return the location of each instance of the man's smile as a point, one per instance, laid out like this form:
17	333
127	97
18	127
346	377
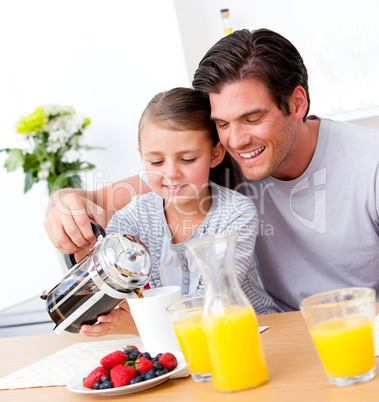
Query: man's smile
253	154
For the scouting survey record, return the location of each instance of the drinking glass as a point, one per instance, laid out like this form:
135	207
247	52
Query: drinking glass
341	323
186	317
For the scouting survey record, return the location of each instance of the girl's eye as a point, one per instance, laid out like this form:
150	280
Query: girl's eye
155	163
189	160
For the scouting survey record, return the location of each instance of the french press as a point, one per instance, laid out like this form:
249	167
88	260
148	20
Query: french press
118	264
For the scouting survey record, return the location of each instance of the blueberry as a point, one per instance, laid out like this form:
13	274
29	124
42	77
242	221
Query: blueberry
105	377
158	356
147	355
97	385
128	351
157	365
133	381
150	374
106	385
164	370
142	374
158	372
134	355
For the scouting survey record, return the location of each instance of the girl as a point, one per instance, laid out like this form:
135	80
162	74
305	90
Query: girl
179	146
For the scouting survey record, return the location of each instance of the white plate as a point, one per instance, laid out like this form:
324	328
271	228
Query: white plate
76	382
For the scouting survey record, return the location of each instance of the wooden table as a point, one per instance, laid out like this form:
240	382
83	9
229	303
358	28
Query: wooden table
296	373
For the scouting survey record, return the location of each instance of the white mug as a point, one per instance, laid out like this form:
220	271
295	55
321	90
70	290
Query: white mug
152	320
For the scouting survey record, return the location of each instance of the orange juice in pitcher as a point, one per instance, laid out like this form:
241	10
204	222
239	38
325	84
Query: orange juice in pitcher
235	326
229	320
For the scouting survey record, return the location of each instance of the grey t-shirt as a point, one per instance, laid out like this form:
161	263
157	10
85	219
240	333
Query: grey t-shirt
321	231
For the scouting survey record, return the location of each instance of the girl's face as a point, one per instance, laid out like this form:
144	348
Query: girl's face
177	163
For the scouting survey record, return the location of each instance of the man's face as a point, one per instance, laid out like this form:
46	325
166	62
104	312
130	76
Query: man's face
254	130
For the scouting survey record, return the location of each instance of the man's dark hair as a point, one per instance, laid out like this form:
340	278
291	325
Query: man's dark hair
261	54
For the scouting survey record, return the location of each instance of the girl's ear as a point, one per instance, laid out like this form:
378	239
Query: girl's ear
140	152
218	154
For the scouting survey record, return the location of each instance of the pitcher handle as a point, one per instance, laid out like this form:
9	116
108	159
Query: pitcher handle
97	231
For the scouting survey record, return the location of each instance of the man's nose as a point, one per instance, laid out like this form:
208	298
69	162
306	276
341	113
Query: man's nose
238	137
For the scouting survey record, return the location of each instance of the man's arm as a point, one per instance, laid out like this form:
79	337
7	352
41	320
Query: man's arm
70	212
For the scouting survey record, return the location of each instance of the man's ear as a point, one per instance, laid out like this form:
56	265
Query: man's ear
299	102
218	154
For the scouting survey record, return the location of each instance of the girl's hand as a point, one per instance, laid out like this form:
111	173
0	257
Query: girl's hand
118	321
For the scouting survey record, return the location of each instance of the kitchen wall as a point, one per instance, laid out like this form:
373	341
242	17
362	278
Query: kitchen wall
107	59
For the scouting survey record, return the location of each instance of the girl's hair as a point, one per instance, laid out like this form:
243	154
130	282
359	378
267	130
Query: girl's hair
181	109
261	54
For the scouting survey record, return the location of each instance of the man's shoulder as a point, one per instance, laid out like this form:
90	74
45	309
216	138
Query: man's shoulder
350	131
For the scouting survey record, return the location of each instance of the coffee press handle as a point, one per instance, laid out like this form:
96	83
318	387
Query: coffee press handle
97	231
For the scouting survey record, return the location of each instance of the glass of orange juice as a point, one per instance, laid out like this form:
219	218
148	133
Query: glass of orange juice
341	323
186	317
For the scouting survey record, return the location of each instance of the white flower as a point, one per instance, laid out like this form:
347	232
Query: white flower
43	174
66	126
60	135
53	147
75	123
52	109
45	165
71	156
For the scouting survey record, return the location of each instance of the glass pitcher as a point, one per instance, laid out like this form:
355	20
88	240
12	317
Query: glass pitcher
229	320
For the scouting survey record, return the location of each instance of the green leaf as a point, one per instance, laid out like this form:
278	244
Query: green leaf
90	148
28	181
31	162
74	181
15	160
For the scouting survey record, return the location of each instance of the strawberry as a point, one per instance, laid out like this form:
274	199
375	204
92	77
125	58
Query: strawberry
143	364
113	358
121	375
94	376
168	361
131	347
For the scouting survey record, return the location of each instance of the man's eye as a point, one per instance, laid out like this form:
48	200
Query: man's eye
221	125
249	121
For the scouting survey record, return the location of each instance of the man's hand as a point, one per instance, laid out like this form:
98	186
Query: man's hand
68	222
70	212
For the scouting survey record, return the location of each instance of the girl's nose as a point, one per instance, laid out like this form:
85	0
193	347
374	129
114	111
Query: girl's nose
172	170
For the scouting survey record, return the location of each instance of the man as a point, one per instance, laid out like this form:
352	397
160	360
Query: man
315	182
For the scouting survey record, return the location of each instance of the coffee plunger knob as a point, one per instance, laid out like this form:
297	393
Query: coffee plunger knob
132	255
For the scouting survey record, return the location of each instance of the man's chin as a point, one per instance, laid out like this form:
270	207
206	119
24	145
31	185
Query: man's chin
254	174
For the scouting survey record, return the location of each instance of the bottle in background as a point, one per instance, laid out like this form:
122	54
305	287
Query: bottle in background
225	15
